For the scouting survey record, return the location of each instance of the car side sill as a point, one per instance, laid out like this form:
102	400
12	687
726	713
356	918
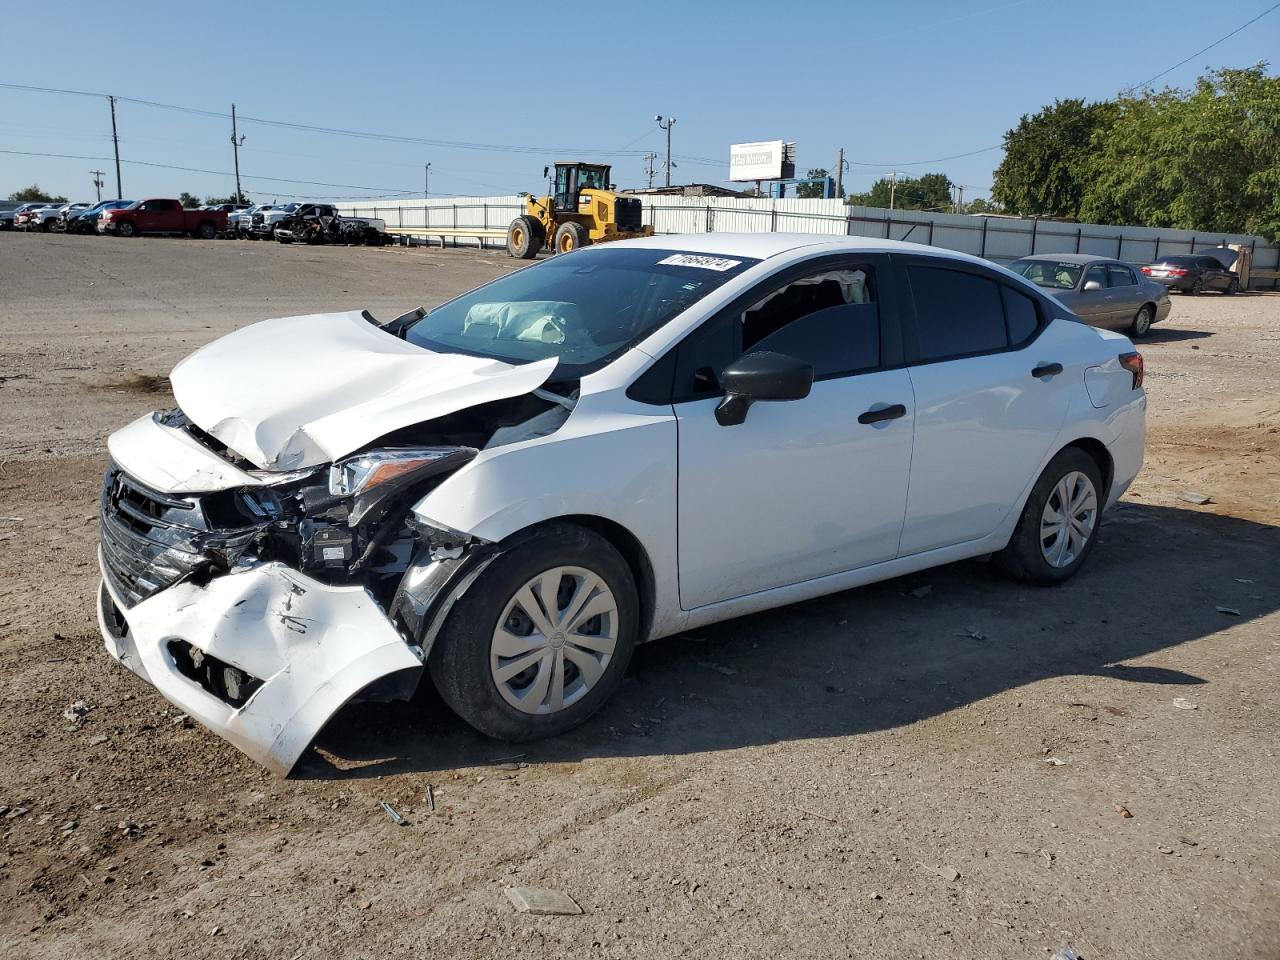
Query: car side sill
834	583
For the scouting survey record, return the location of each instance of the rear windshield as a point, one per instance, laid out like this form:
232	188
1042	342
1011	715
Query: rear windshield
1052	274
585	307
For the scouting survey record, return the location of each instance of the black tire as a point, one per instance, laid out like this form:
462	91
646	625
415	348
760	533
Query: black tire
47	226
1024	557
525	237
205	231
1232	288
126	228
1196	288
460	660
1142	321
571	236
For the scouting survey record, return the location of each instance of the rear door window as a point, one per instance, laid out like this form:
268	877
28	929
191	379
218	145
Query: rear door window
1118	275
957	314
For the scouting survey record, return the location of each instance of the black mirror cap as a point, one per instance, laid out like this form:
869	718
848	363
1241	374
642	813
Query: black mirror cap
763	375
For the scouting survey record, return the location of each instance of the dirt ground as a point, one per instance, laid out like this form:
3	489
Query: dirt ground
888	772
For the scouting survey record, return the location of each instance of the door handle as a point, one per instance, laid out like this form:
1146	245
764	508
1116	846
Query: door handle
884	413
1046	370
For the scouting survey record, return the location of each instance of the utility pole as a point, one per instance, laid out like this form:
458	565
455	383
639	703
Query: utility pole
666	125
426	181
959	198
840	168
648	167
893	188
115	139
97	183
236	143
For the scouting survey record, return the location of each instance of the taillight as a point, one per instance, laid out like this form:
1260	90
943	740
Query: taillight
1178	271
1147	271
1133	363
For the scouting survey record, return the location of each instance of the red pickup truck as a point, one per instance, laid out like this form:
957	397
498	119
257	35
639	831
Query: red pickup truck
162	216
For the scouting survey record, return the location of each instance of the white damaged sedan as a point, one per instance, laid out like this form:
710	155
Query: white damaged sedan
618	444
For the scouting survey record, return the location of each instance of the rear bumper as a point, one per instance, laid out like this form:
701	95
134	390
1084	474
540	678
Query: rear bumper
1128	448
311	646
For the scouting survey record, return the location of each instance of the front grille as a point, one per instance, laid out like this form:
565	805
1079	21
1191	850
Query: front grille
258	218
628	213
149	540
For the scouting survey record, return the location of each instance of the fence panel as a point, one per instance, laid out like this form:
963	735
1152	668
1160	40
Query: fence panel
999	239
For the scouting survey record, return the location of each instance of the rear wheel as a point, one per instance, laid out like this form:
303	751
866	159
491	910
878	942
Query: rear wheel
206	231
571	236
1197	287
525	237
1059	523
1141	325
542	638
1233	287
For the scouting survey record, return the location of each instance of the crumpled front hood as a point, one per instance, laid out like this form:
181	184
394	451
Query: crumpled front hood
301	391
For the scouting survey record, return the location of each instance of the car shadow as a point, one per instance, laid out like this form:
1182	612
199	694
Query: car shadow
874	658
1168	335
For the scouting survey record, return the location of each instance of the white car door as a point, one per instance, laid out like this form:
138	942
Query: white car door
802	488
991	397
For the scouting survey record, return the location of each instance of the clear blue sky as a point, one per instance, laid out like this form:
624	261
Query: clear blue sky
891	83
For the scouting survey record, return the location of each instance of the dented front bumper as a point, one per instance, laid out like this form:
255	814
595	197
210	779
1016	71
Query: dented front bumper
297	650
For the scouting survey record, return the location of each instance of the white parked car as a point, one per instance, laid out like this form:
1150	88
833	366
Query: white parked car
618	444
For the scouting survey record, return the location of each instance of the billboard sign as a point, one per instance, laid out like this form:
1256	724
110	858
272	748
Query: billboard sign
762	160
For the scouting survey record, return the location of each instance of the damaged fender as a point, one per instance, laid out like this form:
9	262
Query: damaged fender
305	648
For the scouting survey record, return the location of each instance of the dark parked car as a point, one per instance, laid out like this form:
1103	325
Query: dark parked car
1194	273
1100	291
86	221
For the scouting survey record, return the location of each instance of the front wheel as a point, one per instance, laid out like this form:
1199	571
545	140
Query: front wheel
1141	325
1059	524
540	641
571	236
1232	288
126	229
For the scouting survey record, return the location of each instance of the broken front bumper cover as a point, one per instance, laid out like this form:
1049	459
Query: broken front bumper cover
303	648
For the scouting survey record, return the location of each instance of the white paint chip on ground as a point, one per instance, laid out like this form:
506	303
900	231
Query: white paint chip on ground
542	902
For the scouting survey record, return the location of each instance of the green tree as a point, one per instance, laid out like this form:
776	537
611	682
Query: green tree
34	194
188	200
983	205
930	191
1046	159
219	201
1201	159
812	191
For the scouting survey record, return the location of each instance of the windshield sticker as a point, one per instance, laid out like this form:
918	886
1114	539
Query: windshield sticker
719	264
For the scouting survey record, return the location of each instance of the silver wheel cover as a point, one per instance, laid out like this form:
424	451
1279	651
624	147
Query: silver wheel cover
1069	518
554	640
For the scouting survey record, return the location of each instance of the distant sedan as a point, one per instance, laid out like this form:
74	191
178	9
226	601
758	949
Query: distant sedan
1102	292
1194	274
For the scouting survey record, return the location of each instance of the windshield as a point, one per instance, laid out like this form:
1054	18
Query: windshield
1049	273
585	307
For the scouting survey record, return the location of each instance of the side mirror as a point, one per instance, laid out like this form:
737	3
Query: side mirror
545	171
761	376
1091	285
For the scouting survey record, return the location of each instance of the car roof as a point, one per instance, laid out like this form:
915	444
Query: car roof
761	246
1081	258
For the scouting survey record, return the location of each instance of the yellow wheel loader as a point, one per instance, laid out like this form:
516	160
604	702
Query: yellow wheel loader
583	208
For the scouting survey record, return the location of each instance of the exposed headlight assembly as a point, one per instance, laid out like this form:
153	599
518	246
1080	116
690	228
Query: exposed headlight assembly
372	477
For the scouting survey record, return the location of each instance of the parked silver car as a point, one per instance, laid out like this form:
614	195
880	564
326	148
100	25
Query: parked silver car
1100	291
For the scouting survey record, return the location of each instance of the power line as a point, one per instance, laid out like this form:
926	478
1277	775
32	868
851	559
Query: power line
219	173
1136	86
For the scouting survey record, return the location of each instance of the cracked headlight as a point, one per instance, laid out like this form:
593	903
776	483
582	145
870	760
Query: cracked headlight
373	477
